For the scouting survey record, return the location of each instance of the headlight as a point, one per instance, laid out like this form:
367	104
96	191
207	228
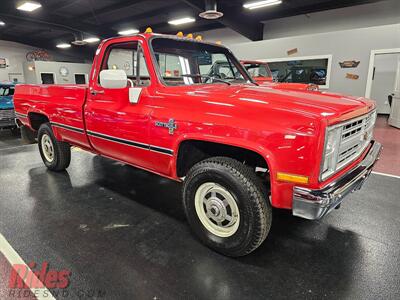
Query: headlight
331	149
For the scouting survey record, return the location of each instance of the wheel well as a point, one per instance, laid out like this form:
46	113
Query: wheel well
37	120
192	152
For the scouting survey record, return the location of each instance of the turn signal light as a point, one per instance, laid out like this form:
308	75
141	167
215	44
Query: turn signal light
148	30
179	34
190	36
292	178
199	38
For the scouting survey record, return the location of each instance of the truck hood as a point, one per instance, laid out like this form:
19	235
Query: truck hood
6	102
333	107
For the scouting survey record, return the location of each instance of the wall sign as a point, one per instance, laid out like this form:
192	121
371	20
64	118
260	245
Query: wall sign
3	63
352	76
64	71
292	51
349	64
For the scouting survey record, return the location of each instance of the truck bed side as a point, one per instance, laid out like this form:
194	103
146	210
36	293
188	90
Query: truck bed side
62	105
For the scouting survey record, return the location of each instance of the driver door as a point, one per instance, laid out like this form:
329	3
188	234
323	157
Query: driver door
116	127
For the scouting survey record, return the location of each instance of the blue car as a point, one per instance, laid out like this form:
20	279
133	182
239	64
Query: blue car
7	114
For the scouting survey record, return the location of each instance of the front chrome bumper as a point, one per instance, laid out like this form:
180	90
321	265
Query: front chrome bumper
314	204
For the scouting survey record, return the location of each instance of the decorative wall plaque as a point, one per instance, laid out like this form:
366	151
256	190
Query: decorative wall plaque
3	63
352	76
292	51
349	64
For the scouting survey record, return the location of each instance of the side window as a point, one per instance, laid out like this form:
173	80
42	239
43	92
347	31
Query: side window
125	57
47	78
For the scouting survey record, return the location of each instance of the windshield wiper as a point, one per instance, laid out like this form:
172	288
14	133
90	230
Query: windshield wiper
208	77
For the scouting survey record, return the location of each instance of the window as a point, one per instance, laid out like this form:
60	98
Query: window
80	78
314	70
182	62
124	57
6	91
258	70
47	78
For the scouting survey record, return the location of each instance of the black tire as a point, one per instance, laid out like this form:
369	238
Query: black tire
16	131
61	154
250	195
27	135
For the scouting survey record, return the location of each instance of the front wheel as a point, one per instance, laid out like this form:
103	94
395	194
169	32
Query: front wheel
227	206
56	155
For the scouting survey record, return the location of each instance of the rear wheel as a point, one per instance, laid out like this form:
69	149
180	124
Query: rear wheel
227	206
56	155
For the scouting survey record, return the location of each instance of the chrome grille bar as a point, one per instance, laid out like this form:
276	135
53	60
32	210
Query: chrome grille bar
356	136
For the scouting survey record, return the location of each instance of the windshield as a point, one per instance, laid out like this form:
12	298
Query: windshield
186	63
258	70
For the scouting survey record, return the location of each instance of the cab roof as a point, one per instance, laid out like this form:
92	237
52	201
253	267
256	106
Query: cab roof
149	36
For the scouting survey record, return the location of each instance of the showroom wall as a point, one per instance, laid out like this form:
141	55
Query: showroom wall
15	55
346	34
343	45
361	16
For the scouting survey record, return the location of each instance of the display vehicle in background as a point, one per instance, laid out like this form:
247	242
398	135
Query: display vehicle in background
7	114
261	74
156	102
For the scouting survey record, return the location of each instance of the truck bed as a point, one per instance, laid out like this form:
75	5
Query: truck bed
63	104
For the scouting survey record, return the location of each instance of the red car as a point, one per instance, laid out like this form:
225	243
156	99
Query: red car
262	75
157	102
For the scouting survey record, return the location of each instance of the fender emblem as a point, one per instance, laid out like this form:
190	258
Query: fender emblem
171	125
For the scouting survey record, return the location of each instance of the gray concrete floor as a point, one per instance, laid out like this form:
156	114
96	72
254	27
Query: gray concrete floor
122	230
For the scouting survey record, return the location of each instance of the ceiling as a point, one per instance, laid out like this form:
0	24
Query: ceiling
63	20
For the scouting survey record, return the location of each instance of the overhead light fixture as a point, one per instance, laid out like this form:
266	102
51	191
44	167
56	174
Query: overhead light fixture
211	12
260	4
2	23
29	6
63	46
182	21
91	40
128	31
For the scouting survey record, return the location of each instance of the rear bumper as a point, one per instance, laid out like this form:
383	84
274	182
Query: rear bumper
314	204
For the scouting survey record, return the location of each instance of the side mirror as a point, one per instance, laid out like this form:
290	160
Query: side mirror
113	79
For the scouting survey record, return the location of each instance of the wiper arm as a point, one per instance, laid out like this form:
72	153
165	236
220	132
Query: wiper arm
208	77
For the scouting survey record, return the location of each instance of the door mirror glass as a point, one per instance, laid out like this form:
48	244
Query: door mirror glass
113	79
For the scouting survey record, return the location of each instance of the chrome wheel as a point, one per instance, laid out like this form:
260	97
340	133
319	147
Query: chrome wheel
217	209
47	148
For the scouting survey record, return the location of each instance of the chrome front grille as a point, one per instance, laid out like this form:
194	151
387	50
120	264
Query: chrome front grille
355	137
7	114
345	142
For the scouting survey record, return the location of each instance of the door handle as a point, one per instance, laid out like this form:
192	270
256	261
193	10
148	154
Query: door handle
96	92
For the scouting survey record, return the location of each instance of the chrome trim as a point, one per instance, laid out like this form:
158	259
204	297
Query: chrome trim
314	204
17	114
67	127
131	143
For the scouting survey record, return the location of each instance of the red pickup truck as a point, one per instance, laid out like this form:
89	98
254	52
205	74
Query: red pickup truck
157	103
